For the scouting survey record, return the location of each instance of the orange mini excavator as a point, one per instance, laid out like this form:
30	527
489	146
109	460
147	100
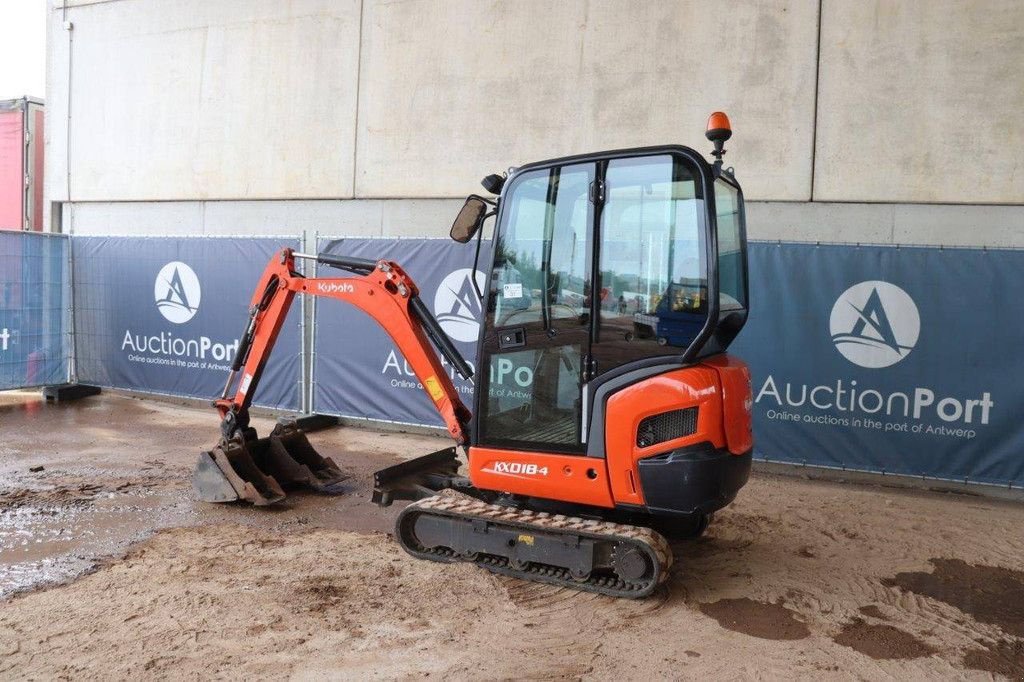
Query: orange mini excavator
607	413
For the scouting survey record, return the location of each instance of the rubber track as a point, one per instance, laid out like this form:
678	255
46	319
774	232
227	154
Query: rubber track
454	504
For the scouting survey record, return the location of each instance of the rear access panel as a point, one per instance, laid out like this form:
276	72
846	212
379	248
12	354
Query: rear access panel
657	415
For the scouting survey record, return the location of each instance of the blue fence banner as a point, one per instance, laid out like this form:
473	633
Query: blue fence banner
358	371
35	341
165	315
898	360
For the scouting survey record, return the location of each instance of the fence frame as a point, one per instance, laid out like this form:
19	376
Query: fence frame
309	310
297	238
67	317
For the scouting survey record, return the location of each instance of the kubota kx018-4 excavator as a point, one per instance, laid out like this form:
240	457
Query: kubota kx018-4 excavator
605	405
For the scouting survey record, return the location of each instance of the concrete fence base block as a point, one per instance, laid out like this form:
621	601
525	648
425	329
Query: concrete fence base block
316	422
65	392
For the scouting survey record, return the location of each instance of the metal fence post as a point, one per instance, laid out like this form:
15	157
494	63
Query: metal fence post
72	374
303	356
312	302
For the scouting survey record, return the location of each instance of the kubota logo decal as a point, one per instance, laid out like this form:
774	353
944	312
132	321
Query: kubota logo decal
177	292
875	324
334	288
457	305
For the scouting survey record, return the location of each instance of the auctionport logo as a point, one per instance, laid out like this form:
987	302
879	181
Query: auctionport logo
457	306
875	324
177	292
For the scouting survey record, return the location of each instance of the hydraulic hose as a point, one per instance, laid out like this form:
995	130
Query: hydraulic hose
440	339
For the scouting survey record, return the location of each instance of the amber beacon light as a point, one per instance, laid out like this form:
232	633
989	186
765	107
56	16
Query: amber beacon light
719	130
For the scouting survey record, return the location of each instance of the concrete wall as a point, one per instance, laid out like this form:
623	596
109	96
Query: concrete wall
352	218
231	116
174	99
922	224
921	100
452	91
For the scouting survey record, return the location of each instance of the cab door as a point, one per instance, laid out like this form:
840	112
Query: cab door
537	330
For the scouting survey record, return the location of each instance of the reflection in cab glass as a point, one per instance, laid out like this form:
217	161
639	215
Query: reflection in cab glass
732	291
541	252
653	259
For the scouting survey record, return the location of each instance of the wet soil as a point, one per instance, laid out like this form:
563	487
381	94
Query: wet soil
109	567
116	469
757	619
990	594
881	641
873	611
1005	657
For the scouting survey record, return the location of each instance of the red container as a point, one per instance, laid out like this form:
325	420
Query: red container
21	164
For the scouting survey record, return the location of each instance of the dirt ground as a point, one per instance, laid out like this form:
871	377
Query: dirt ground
110	568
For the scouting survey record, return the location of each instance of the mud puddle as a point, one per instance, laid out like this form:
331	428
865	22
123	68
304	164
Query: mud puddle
55	528
58	524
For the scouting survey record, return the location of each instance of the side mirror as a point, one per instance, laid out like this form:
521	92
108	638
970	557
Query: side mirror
469	220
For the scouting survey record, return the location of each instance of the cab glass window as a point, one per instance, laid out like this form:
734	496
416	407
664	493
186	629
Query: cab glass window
653	259
541	252
732	290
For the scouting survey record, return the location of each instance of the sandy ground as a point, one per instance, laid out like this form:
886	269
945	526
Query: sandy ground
109	568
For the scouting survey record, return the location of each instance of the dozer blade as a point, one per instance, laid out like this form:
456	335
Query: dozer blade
417	478
290	458
228	473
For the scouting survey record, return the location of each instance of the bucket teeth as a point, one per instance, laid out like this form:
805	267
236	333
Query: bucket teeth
257	471
228	472
299	463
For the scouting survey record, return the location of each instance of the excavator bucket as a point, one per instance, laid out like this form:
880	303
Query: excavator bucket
258	471
228	473
293	461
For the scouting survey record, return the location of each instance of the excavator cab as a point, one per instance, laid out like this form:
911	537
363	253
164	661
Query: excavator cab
603	265
615	274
